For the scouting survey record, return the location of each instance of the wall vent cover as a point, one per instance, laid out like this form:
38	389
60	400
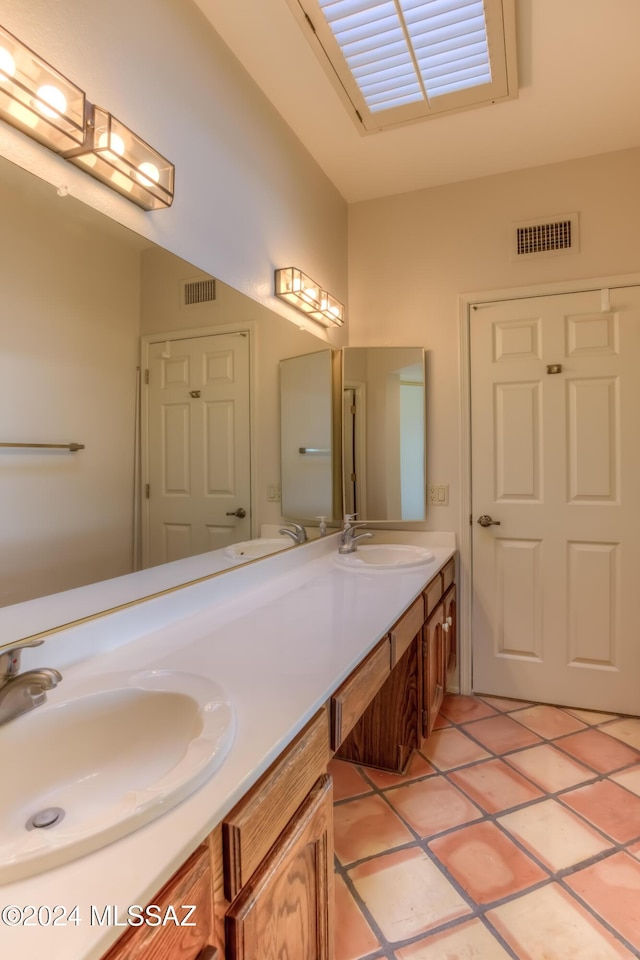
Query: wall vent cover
198	291
548	237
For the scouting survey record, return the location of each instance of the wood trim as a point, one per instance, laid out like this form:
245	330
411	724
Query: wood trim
448	574
254	825
432	595
405	630
351	699
191	885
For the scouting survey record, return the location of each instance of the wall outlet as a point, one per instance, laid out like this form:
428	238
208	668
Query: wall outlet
273	492
438	494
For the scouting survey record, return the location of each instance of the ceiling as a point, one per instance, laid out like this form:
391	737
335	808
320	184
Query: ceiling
579	72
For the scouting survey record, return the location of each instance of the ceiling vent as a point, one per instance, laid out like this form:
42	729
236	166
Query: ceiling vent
545	238
198	291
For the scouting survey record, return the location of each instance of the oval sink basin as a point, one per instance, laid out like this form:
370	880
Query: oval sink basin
108	760
253	549
383	556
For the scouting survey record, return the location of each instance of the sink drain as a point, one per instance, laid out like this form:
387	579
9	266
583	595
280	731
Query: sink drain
48	817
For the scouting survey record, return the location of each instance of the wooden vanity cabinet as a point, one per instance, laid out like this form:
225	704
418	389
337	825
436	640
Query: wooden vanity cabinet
439	644
191	885
286	908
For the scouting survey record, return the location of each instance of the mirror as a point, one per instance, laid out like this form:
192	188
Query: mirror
78	292
384	433
310	437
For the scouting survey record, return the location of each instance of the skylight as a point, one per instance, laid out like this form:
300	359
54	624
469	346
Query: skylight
402	60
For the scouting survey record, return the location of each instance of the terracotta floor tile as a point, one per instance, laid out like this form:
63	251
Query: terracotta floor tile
433	805
502	734
418	767
486	863
549	768
626	729
555	835
460	709
634	850
450	748
495	786
407	894
354	938
590	716
608	807
598	750
547	924
441	722
504	704
629	779
612	888
468	941
549	722
365	827
347	780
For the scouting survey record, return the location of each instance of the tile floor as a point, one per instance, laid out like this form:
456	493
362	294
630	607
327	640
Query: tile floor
515	833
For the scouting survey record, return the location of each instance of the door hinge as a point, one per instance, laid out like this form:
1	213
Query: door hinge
354	477
147	491
353	408
146	376
425	719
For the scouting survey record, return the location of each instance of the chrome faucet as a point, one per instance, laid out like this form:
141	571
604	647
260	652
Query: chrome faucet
298	534
348	540
20	692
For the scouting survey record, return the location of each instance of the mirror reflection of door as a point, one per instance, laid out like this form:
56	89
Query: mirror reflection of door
384	433
198	447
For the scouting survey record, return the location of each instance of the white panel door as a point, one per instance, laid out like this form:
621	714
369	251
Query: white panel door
198	445
555	395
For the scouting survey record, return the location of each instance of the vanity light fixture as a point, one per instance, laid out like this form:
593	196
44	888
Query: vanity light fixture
37	99
118	157
306	295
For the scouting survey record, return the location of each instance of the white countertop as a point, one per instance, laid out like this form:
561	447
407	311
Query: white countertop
280	635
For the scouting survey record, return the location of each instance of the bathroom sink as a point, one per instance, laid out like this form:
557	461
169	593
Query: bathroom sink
119	753
383	556
252	549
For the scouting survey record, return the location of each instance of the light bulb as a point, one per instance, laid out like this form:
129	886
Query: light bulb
7	64
51	102
114	142
147	172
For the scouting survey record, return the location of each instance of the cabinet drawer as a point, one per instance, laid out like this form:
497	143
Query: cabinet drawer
253	826
432	595
191	886
448	574
409	624
354	696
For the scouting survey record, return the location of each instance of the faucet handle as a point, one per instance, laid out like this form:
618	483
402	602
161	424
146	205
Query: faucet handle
10	657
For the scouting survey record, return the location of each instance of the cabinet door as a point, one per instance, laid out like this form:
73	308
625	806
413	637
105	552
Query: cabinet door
432	669
450	632
286	909
191	885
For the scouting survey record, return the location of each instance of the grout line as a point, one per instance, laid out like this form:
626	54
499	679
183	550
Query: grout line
477	910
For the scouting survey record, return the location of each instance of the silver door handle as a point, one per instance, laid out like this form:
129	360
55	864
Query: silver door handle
240	513
486	521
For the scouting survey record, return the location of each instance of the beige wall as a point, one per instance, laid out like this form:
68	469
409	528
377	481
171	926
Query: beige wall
249	198
69	328
410	256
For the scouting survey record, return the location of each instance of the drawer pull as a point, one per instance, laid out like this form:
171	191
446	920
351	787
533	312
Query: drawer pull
446	627
449	621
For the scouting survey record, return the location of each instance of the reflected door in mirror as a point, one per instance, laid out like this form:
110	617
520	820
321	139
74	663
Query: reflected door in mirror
384	433
198	446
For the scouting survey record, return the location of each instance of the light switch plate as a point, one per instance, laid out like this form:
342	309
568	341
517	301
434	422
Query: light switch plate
438	494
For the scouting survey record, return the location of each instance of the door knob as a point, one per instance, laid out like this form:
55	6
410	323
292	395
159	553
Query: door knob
486	521
240	513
